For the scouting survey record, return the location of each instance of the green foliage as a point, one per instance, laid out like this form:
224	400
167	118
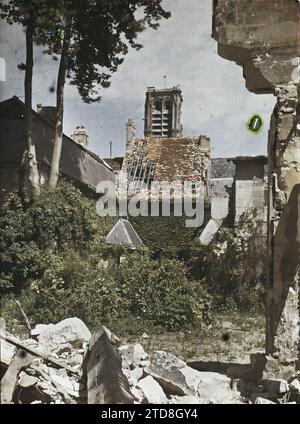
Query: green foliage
98	34
234	265
160	292
140	293
31	234
168	236
54	260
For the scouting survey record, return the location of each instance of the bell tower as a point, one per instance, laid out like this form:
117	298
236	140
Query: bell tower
163	112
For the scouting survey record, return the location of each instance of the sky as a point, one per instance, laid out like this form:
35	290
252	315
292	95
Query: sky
216	102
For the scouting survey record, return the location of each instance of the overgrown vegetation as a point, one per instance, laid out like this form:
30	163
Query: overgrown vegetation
54	261
233	266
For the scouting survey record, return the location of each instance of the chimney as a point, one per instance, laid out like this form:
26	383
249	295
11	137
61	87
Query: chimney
80	135
130	132
39	107
47	112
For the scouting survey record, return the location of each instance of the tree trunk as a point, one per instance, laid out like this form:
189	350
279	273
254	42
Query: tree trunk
31	183
58	137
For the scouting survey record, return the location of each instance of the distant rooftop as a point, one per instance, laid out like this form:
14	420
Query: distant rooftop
176	87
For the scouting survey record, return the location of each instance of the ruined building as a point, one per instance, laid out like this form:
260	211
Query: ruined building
263	38
164	154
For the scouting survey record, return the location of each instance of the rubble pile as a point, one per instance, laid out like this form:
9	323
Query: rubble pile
53	374
52	367
164	378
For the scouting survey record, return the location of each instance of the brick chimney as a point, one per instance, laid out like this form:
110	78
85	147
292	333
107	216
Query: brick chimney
80	135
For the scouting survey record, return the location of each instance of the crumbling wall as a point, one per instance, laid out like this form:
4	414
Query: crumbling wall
263	37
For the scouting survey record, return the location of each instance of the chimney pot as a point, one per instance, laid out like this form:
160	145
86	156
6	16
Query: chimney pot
80	135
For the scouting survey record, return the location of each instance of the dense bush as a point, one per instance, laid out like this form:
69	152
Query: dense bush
54	260
30	234
168	236
234	265
138	293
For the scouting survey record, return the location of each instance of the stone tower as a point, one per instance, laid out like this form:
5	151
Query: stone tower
163	112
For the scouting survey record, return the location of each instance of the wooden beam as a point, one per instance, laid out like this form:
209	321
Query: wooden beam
34	352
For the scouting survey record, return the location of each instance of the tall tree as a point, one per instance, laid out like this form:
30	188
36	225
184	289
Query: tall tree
31	183
95	35
36	18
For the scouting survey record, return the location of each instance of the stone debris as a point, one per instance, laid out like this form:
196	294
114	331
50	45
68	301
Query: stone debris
50	368
70	330
172	379
43	381
183	384
262	401
275	385
185	400
26	380
152	391
7	351
295	386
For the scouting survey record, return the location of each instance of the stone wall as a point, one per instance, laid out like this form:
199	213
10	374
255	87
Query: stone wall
263	37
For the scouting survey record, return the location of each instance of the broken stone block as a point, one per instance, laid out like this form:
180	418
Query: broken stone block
134	376
132	355
26	380
184	400
63	382
177	378
167	369
38	329
137	394
153	393
275	385
265	395
215	388
263	401
7	351
295	386
261	367
75	360
70	330
64	348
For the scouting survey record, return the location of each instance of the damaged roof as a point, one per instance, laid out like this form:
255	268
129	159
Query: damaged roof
176	158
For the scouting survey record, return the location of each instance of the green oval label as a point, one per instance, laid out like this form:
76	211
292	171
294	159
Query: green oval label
255	124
